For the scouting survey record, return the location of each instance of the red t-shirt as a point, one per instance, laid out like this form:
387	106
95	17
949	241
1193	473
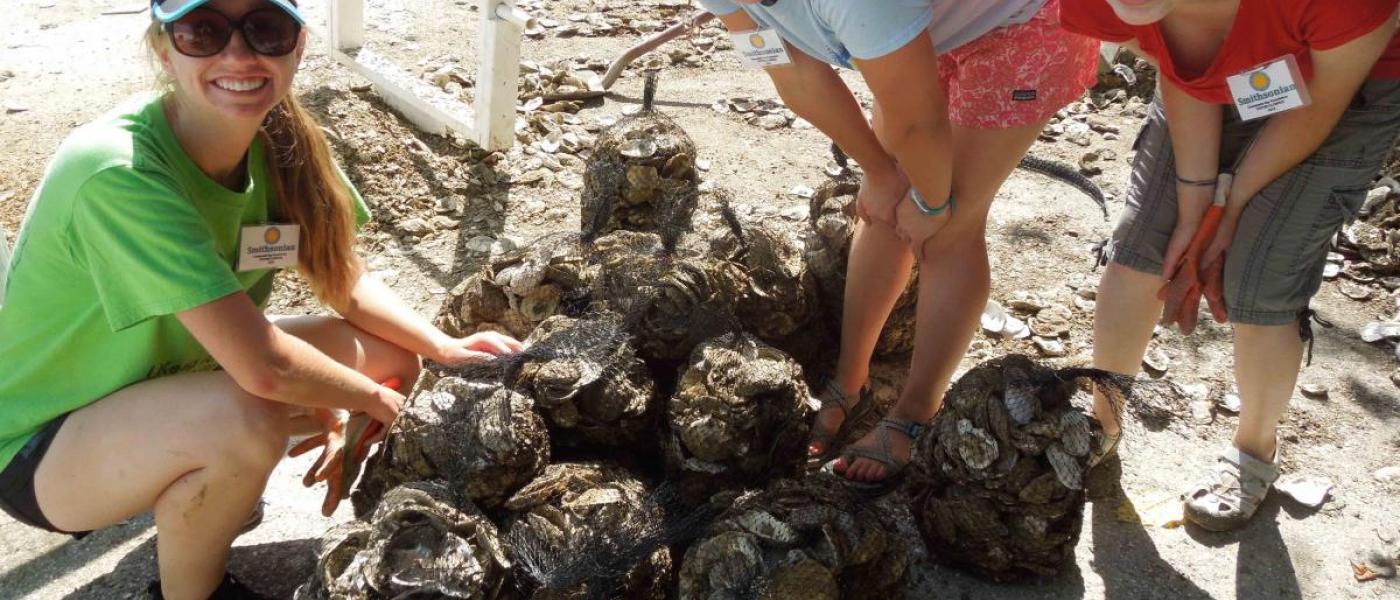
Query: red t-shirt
1263	30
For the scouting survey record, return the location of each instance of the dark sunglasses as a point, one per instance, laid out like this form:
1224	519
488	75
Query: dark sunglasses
206	32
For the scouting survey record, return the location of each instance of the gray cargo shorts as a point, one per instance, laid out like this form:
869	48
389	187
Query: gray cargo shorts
1274	266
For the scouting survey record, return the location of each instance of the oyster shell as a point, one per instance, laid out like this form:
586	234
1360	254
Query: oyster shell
641	175
672	302
798	539
781	301
486	440
594	391
576	530
518	290
422	540
741	414
997	482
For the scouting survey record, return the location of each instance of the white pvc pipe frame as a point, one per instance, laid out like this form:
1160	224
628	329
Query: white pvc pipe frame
491	122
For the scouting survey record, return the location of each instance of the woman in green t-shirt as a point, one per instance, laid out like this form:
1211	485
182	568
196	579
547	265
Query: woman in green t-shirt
140	371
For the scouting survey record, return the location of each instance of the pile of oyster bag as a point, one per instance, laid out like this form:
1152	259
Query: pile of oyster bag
650	440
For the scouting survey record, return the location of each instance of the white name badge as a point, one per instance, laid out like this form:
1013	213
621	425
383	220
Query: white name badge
761	48
1269	89
271	246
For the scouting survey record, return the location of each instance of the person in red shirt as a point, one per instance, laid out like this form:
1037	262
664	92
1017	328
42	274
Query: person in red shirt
1272	119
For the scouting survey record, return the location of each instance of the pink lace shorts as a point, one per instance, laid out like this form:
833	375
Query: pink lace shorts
1018	75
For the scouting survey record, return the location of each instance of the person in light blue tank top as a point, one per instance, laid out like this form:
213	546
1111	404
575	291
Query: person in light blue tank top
962	88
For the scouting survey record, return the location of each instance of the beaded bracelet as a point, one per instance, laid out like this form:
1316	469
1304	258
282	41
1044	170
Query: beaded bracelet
1196	182
925	208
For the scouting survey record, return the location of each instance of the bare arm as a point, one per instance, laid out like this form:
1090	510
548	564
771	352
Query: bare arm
814	91
1290	138
1195	133
375	308
914	112
270	363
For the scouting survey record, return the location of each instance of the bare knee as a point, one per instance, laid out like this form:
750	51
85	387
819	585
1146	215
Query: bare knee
959	242
253	433
407	366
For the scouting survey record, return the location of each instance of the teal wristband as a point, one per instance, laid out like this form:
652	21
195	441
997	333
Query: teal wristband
924	207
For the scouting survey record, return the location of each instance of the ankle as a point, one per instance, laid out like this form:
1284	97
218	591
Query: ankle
850	383
1107	422
917	414
1264	450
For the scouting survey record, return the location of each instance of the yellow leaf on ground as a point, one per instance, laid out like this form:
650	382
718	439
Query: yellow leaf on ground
1158	510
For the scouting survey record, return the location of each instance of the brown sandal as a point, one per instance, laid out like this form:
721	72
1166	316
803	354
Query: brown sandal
833	395
894	471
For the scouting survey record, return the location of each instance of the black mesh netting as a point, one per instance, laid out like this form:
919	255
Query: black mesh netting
670	347
998	480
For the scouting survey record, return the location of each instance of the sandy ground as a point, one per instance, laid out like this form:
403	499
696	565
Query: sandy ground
70	63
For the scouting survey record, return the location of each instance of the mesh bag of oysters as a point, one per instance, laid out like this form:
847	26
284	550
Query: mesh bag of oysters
799	539
997	482
641	175
649	441
832	218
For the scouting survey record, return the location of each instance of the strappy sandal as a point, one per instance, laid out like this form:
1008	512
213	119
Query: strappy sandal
833	395
894	470
1107	447
1233	490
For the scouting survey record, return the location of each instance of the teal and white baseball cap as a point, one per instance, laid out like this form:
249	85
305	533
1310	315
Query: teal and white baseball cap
171	10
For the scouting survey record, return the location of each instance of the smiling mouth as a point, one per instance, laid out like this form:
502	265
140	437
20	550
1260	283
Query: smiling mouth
240	85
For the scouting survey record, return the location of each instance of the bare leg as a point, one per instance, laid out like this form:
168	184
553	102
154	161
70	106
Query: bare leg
1262	357
196	448
954	281
877	270
1126	312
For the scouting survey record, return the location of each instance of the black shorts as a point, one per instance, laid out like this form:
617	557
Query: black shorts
17	496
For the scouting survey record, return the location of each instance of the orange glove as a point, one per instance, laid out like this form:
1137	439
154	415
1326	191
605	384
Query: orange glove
1182	293
1213	280
345	437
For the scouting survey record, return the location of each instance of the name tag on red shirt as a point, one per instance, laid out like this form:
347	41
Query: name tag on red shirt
1269	89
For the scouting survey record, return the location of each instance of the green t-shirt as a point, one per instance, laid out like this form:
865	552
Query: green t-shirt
124	232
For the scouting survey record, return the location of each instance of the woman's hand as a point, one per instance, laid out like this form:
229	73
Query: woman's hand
881	191
917	228
477	347
1192	205
1213	263
386	405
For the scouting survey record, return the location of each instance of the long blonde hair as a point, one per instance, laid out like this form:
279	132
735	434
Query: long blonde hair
309	190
